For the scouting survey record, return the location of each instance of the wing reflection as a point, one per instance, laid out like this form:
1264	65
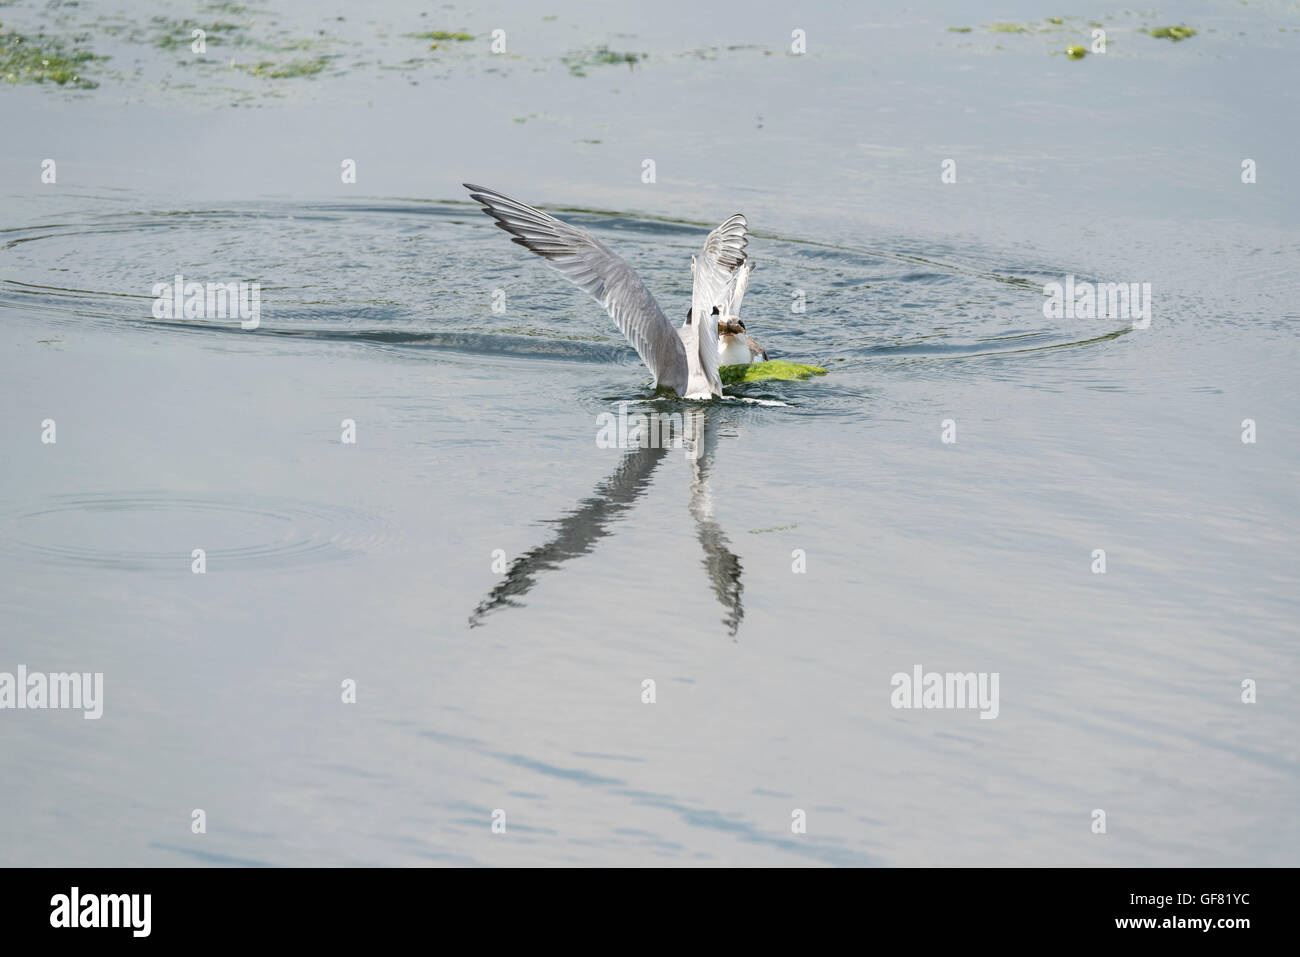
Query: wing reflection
595	517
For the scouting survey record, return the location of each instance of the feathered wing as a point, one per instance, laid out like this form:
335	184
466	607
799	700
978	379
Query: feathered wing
736	290
591	265
713	268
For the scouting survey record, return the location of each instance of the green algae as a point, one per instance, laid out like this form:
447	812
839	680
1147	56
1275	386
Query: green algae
231	7
289	70
959	29
1047	25
179	34
1171	33
772	369
605	55
600	56
43	59
441	35
1076	53
265	50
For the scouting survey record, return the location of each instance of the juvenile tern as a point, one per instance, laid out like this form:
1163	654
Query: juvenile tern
734	347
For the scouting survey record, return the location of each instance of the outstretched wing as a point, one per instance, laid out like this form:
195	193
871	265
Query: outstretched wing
589	264
722	255
736	290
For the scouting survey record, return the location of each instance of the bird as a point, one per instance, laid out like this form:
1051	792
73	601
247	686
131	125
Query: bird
734	347
733	350
683	360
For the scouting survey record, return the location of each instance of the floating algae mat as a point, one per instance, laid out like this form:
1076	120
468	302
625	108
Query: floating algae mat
441	36
772	369
461	37
1049	24
40	58
280	71
578	63
1171	33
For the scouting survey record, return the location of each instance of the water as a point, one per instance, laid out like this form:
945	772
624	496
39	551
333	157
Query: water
476	432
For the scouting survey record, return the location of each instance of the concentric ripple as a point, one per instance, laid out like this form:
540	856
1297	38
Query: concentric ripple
411	275
150	531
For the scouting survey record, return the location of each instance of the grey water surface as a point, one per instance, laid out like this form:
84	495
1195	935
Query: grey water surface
499	585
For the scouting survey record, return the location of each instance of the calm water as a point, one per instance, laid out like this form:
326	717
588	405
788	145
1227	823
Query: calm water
476	434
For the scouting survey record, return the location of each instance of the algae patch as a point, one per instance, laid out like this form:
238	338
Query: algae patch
441	35
281	71
772	369
178	35
1048	25
1171	33
1076	53
42	59
601	56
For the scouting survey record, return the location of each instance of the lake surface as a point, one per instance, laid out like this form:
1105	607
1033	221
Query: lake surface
499	586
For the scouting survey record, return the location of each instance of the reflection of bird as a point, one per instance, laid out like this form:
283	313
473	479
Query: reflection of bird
720	561
597	515
683	360
578	531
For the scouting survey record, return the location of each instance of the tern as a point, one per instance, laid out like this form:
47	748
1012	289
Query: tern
683	360
734	347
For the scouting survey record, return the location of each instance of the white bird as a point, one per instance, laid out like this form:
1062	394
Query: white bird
685	359
734	347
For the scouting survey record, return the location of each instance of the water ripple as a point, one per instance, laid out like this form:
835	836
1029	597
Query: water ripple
159	530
